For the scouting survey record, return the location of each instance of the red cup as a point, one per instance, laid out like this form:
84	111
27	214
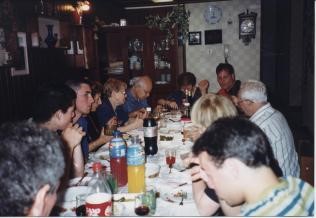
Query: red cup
99	204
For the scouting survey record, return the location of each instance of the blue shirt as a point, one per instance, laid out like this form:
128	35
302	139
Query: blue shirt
82	121
132	104
178	95
105	112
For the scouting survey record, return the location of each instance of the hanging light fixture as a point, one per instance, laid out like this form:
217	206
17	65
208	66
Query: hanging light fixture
161	1
82	6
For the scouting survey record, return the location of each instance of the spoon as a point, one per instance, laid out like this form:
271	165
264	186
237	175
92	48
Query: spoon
84	175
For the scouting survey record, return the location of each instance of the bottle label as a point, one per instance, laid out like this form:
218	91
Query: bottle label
150	131
135	155
117	148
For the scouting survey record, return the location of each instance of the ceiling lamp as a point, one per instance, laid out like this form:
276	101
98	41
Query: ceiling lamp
161	1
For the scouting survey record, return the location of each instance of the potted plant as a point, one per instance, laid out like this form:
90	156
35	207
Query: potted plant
178	17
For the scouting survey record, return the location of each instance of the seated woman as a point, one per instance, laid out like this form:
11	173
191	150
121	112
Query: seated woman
205	111
186	82
95	132
114	92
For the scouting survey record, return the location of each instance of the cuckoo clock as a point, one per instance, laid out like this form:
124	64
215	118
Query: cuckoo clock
247	26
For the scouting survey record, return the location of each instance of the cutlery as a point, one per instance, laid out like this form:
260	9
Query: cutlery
182	184
123	199
84	175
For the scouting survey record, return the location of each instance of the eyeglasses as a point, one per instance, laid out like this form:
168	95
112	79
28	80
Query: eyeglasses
123	92
86	95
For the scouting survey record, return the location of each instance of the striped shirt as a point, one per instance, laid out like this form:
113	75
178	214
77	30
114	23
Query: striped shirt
275	126
291	197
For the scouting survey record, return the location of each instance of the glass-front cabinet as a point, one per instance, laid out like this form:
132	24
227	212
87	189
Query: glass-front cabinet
126	52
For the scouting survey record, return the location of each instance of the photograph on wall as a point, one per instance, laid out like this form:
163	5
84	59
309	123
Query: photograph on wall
195	38
22	64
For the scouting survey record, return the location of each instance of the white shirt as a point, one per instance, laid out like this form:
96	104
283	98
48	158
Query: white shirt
275	126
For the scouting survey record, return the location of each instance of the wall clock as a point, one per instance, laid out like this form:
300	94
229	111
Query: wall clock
212	14
247	26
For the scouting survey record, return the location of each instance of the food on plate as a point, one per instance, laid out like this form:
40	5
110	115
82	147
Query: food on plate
166	138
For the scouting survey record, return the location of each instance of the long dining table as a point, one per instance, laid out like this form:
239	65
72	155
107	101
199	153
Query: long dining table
167	184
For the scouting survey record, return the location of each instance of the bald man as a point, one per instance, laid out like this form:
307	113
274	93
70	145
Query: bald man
137	95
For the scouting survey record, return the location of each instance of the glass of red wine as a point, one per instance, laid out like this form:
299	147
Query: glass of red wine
80	205
142	205
170	158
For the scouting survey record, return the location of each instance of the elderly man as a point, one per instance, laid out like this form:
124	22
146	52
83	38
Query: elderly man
226	79
31	165
237	161
84	102
137	95
252	100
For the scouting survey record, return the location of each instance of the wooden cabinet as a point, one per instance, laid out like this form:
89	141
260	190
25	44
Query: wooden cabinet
126	52
307	169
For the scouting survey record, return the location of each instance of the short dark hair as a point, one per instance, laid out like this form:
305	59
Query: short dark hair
186	78
76	83
96	88
235	137
51	98
30	157
225	66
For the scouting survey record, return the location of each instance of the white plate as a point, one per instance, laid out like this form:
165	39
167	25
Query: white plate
175	194
152	170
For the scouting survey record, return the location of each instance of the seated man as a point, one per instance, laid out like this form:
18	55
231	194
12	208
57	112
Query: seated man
237	161
226	79
31	165
53	109
252	100
186	82
136	100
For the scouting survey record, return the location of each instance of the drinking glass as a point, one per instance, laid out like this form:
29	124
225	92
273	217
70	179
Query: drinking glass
142	205
80	205
170	158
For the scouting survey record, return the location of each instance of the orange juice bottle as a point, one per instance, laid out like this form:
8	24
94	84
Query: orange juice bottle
135	166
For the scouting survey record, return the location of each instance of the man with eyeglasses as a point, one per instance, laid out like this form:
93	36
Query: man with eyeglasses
252	100
84	102
137	95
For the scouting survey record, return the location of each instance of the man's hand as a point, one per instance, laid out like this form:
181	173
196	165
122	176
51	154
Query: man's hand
203	86
72	135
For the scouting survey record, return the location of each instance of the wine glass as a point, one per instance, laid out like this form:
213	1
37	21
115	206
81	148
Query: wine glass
170	158
80	205
142	207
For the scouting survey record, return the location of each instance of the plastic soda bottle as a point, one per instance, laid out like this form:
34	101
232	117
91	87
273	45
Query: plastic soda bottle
118	158
135	166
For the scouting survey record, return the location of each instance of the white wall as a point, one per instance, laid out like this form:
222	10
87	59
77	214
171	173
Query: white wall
203	59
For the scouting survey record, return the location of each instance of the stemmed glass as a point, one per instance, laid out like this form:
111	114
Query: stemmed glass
170	158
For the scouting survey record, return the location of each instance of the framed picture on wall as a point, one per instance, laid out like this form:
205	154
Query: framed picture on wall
22	64
195	38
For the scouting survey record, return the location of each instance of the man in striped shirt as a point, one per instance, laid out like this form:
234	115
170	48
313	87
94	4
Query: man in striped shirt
237	161
252	100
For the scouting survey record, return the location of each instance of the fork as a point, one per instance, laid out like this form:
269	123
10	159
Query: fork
184	195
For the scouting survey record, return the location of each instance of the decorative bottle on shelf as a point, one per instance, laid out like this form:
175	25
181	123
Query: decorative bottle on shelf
135	166
150	134
99	199
51	38
118	158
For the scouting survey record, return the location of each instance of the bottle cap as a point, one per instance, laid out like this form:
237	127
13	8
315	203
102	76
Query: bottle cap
187	104
97	166
148	109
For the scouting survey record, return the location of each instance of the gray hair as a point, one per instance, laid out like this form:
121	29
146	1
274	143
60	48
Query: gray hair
30	158
135	81
253	90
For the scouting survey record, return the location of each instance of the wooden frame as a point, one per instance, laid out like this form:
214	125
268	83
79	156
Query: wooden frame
195	38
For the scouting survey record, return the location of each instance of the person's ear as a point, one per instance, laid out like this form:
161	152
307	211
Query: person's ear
39	202
232	167
58	114
233	76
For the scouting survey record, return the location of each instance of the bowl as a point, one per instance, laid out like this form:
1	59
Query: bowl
152	170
